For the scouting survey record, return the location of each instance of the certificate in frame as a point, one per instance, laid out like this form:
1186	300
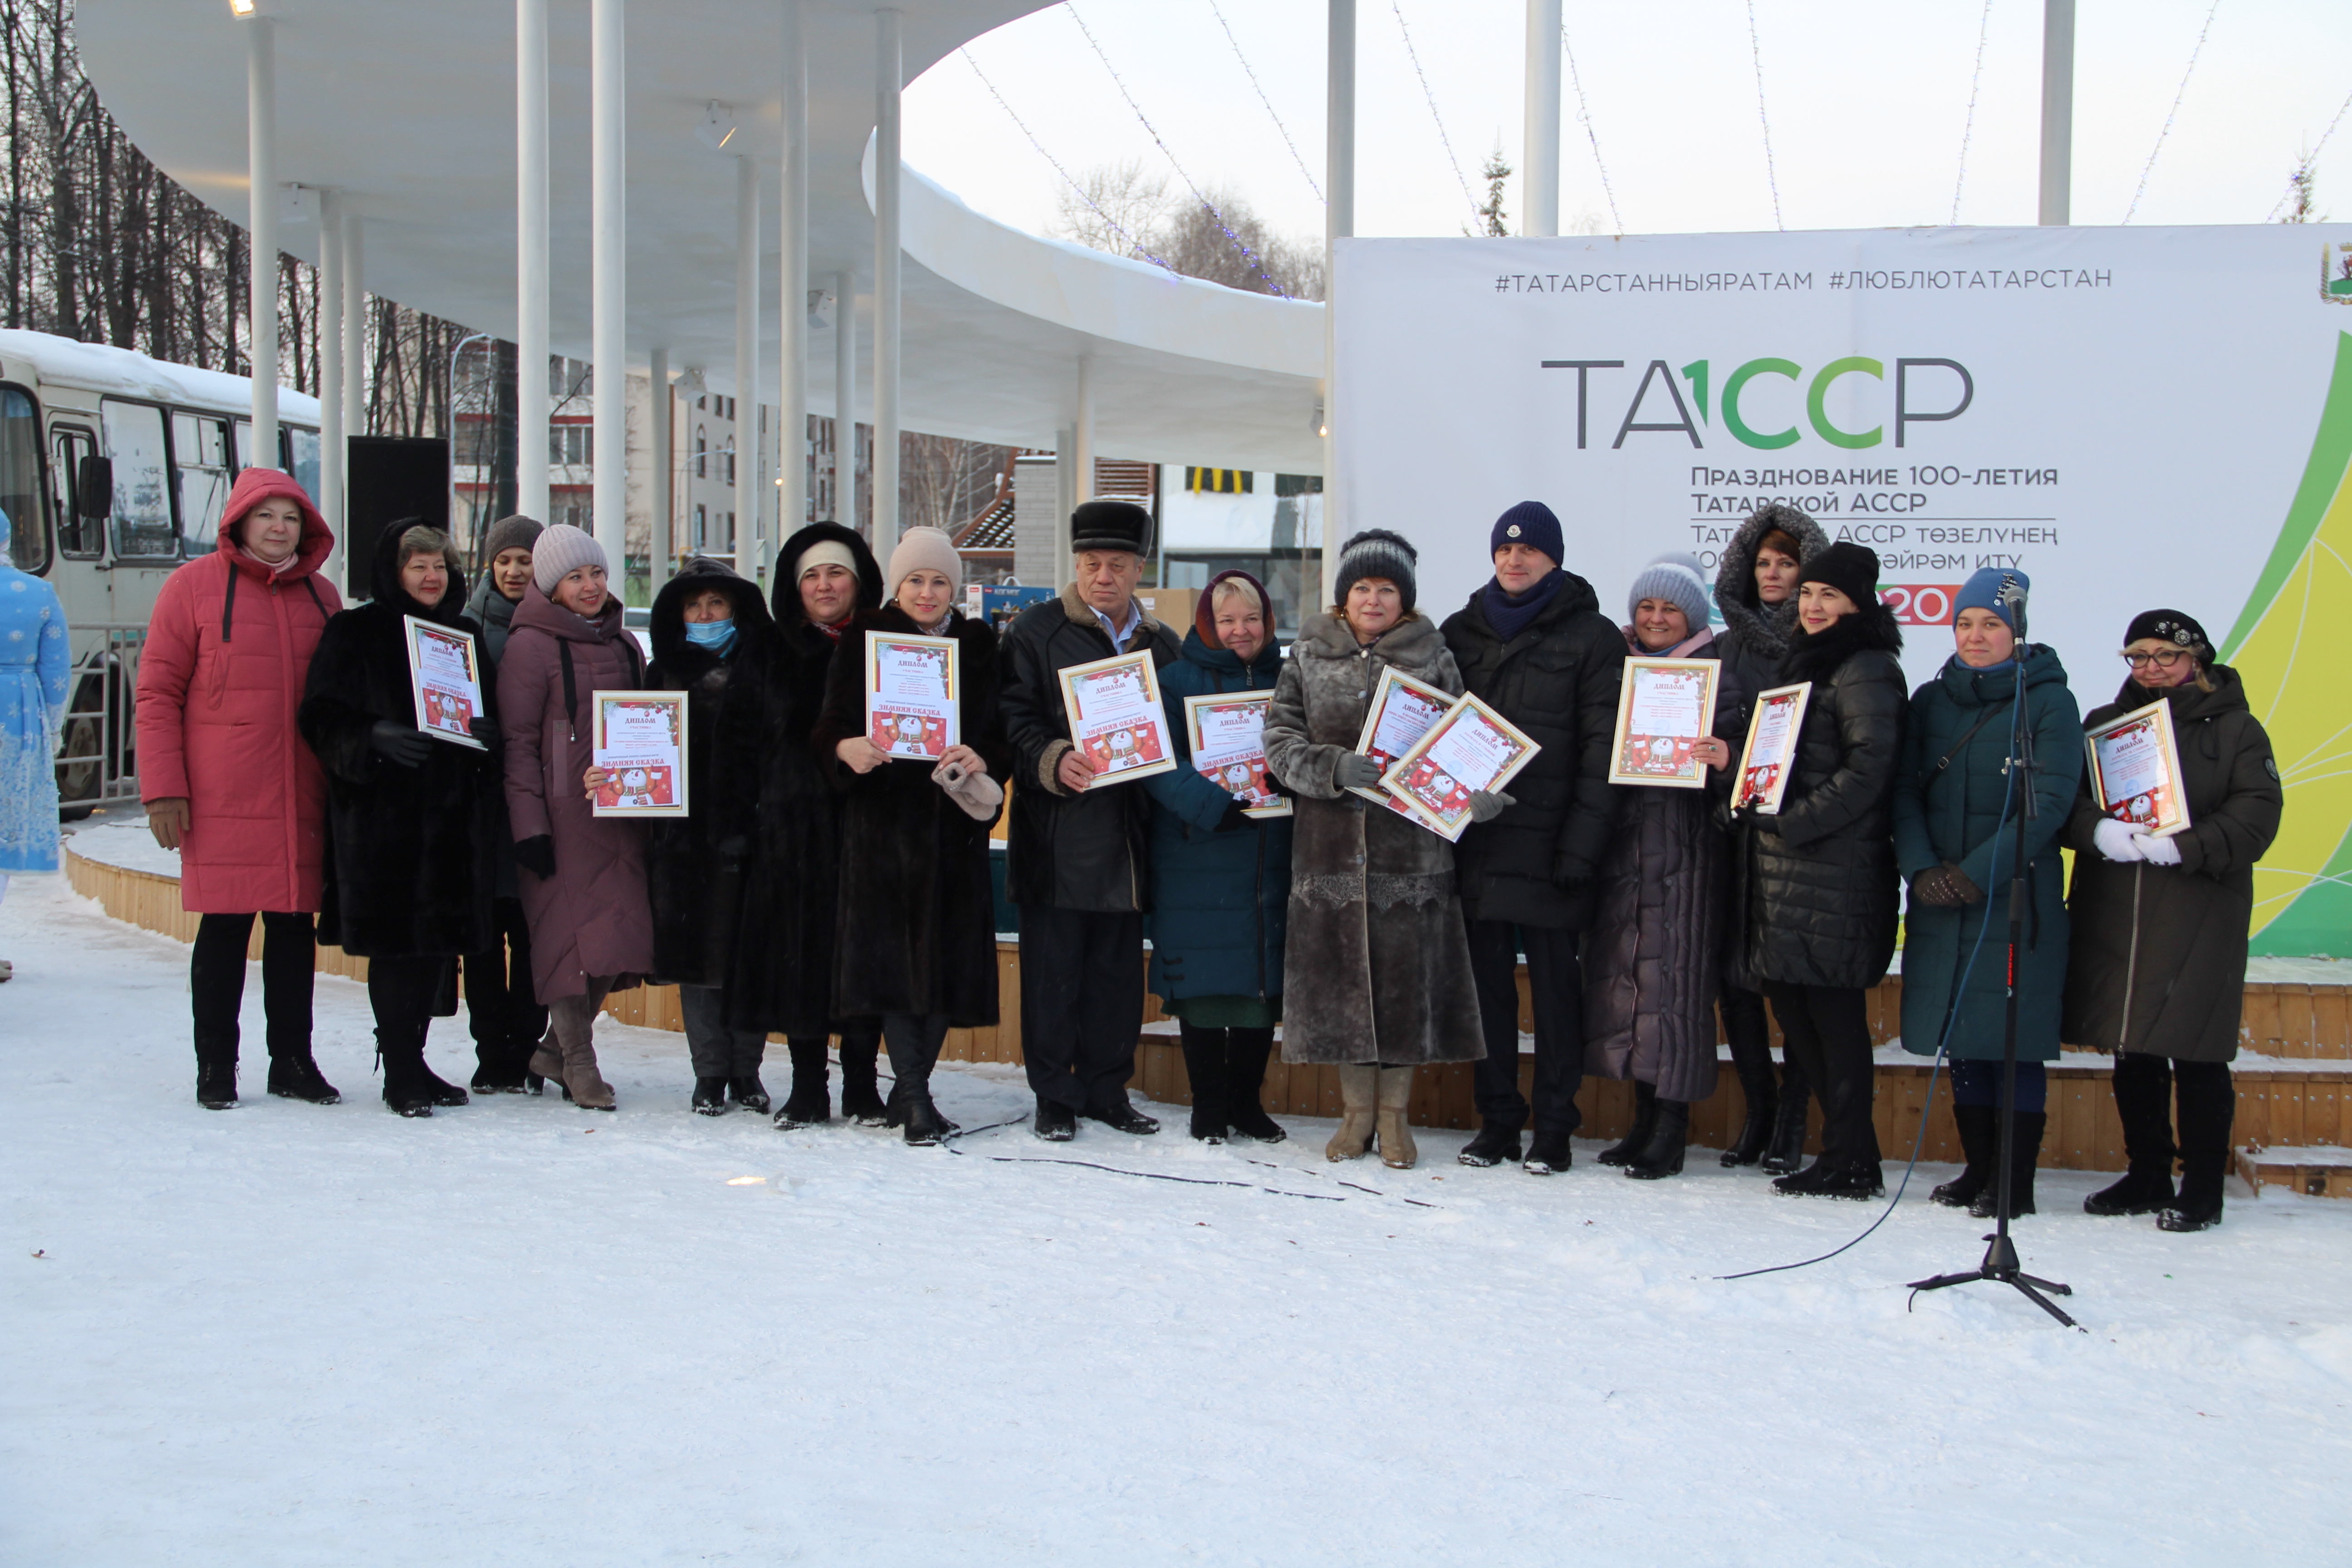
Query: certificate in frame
1116	720
1770	751
445	676
1226	730
639	739
2135	761
1665	708
913	690
1471	748
1401	710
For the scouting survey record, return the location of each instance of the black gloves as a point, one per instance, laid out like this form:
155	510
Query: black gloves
537	856
485	729
1946	887
401	743
1234	819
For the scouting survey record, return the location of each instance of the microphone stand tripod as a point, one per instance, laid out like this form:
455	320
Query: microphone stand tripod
1999	1265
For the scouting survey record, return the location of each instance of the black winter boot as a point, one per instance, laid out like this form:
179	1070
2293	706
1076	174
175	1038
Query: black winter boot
861	1091
1493	1144
1980	1128
298	1078
1787	1150
1204	1066
749	1092
1626	1150
809	1101
501	1067
1246	1051
911	1108
2024	1151
2143	1089
2141	1191
217	1079
406	1089
710	1097
1662	1156
2208	1103
1756	1126
1548	1153
444	1092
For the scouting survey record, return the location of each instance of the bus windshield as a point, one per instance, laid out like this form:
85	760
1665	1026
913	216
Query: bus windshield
20	482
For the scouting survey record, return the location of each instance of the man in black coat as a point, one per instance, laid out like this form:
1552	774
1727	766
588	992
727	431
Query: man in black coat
1534	644
1077	857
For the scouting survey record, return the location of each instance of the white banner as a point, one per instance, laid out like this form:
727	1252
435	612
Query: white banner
2135	418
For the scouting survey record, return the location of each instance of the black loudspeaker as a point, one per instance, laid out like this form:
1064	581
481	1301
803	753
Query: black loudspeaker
390	478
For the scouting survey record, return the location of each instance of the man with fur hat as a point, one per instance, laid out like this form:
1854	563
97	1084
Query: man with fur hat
1079	861
1534	643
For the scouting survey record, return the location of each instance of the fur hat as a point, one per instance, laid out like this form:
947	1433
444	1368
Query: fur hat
924	547
516	532
1377	553
2174	626
1851	569
1678	579
560	551
1530	524
1111	525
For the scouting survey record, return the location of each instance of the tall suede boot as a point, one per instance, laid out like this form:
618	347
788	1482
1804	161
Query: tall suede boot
1626	1150
861	1091
809	1101
1397	1152
1358	1097
1980	1129
584	1084
1662	1156
2023	1152
1246	1051
1204	1066
2143	1089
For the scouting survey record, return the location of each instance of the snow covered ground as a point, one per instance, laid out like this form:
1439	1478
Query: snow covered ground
523	1333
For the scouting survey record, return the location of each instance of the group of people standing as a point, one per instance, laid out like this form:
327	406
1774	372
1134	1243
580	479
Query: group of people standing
827	892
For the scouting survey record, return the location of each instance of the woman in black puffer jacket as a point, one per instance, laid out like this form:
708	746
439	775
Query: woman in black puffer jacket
1816	883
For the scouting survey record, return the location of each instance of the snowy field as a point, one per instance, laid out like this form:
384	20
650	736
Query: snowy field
523	1333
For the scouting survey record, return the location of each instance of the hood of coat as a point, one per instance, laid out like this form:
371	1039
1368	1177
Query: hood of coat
1225	661
1411	645
2188	703
384	582
1984	687
540	613
1766	630
672	651
252	488
784	601
487	606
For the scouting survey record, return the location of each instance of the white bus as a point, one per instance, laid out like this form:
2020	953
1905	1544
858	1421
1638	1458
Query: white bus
113	471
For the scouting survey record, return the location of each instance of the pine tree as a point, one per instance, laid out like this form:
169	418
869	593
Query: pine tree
1491	214
2301	188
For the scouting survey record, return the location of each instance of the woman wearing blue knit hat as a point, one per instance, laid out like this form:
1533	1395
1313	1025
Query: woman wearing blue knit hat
1955	817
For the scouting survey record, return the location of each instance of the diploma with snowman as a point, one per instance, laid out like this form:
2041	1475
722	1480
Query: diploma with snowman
913	684
639	742
1116	720
1473	748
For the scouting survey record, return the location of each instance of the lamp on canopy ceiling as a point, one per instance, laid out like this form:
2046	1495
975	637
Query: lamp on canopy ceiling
716	126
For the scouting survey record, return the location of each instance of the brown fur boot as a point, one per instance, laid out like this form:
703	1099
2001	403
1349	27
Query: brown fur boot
1359	1086
1397	1149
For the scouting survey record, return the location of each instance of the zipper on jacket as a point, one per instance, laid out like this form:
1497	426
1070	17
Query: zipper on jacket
2131	961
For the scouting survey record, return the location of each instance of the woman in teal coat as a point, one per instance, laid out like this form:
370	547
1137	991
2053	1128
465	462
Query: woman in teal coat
1219	879
1954	825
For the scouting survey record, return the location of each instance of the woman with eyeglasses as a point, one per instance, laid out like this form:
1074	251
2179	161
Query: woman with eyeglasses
2158	970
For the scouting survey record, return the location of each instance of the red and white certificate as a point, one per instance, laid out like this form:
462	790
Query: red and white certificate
1227	730
1471	748
1665	708
1401	711
912	684
1116	720
2135	770
639	739
1771	750
444	674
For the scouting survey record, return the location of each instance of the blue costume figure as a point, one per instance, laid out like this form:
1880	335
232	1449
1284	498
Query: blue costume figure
35	663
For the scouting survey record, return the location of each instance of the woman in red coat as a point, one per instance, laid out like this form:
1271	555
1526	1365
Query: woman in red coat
228	779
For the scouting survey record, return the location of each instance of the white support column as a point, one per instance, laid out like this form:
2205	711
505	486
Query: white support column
2057	112
1540	151
531	399
1338	223
749	536
844	400
1065	499
888	69
792	299
661	549
331	377
354	329
608	246
261	226
1082	452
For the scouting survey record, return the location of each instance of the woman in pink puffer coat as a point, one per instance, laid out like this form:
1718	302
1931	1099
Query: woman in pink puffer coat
226	778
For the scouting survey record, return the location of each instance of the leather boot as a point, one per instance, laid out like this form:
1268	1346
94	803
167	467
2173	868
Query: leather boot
1246	1051
861	1091
709	1096
405	1091
1358	1094
584	1085
1662	1156
1397	1152
1204	1066
298	1078
1787	1150
216	1078
546	1062
1980	1129
2143	1090
2208	1103
1756	1126
2024	1150
1645	1121
809	1101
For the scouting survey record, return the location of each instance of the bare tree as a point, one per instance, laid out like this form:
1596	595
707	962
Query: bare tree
1115	207
1119	208
945	482
2301	188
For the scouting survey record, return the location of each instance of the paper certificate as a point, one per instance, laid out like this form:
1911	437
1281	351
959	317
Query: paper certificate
1116	720
1665	707
1227	730
1471	748
912	684
640	742
446	675
1401	713
1771	749
2135	770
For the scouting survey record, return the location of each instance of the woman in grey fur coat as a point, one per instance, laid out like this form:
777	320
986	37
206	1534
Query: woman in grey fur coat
1377	976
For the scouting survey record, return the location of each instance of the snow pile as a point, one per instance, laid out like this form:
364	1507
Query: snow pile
522	1333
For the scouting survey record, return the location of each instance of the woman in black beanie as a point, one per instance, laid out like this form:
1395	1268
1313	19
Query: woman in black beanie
1816	882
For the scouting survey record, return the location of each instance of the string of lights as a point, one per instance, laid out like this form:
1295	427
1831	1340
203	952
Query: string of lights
1135	246
1967	127
1198	195
1443	141
1584	118
2175	109
1772	175
1261	98
2295	180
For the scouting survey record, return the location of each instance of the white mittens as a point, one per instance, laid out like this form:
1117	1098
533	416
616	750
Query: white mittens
2121	840
2159	851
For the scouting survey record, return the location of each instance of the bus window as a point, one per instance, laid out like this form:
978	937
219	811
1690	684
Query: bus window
142	480
77	535
244	445
200	453
20	482
304	445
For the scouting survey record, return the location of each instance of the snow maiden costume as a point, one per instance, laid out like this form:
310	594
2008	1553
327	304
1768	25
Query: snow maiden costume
35	667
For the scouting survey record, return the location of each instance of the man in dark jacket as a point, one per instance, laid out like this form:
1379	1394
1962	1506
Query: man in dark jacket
1077	857
1534	644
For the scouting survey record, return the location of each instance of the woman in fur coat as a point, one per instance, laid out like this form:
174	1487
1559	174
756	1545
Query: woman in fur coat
712	640
1376	974
411	821
1815	885
917	937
